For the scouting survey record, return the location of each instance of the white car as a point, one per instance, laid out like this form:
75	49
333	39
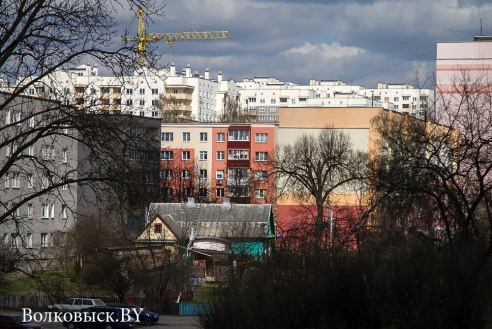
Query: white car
76	304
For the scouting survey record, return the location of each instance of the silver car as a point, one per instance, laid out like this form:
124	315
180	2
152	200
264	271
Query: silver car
76	304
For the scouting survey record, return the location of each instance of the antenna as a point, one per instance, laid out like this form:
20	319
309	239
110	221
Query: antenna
481	28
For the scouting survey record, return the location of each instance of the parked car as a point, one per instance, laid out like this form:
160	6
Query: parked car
113	318
76	304
143	316
17	322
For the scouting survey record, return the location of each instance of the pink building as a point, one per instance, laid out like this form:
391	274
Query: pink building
211	162
461	68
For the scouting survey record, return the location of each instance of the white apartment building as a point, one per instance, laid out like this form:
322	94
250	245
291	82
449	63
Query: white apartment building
263	96
196	97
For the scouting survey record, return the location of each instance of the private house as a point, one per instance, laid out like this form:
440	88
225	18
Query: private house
215	238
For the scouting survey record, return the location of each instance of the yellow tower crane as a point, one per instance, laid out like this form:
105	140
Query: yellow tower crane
170	37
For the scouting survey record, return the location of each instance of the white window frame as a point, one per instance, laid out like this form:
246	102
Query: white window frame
261	156
186	136
29	210
261	175
167	136
219	174
203	155
45	211
203	173
238	135
44	240
167	155
261	137
187	157
261	193
15	180
64	156
238	154
203	137
220	137
219	195
220	155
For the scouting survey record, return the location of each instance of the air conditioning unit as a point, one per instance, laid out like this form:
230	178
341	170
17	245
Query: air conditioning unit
219	181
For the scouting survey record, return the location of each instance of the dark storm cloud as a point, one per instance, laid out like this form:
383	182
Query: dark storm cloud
360	41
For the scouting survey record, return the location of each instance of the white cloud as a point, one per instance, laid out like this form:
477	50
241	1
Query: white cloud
323	50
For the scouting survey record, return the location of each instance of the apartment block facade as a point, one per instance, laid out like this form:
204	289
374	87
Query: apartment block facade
191	95
211	162
44	174
263	97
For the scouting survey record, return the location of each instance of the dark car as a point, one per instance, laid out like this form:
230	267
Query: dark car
143	316
17	322
101	317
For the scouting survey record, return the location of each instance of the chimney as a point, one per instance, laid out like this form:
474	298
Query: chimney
188	70
207	74
219	77
172	71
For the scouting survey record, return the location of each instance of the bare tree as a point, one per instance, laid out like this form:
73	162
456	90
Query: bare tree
54	156
233	112
316	167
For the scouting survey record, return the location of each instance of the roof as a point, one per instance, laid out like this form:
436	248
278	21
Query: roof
215	221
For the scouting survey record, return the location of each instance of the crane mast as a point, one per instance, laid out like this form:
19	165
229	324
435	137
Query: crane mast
170	37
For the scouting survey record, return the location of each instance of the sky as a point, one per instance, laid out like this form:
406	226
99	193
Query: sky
361	42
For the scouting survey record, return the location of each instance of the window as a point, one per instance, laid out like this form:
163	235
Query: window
219	174
15	212
220	155
155	91
203	155
15	180
29	210
220	137
261	109
238	135
30	181
63	214
45	152
273	101
28	240
203	137
45	210
5	239
273	109
134	154
52	210
157	228
166	155
203	173
142	102
129	102
260	194
7	180
167	137
252	100
238	154
186	155
396	99
13	240
261	175
7	117
142	91
202	191
64	156
185	174
262	101
261	138
129	91
406	98
219	193
261	156
44	239
185	192
167	192
166	174
186	137
45	181
283	100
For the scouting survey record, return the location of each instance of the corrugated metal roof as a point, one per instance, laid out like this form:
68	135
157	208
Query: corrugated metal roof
215	220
